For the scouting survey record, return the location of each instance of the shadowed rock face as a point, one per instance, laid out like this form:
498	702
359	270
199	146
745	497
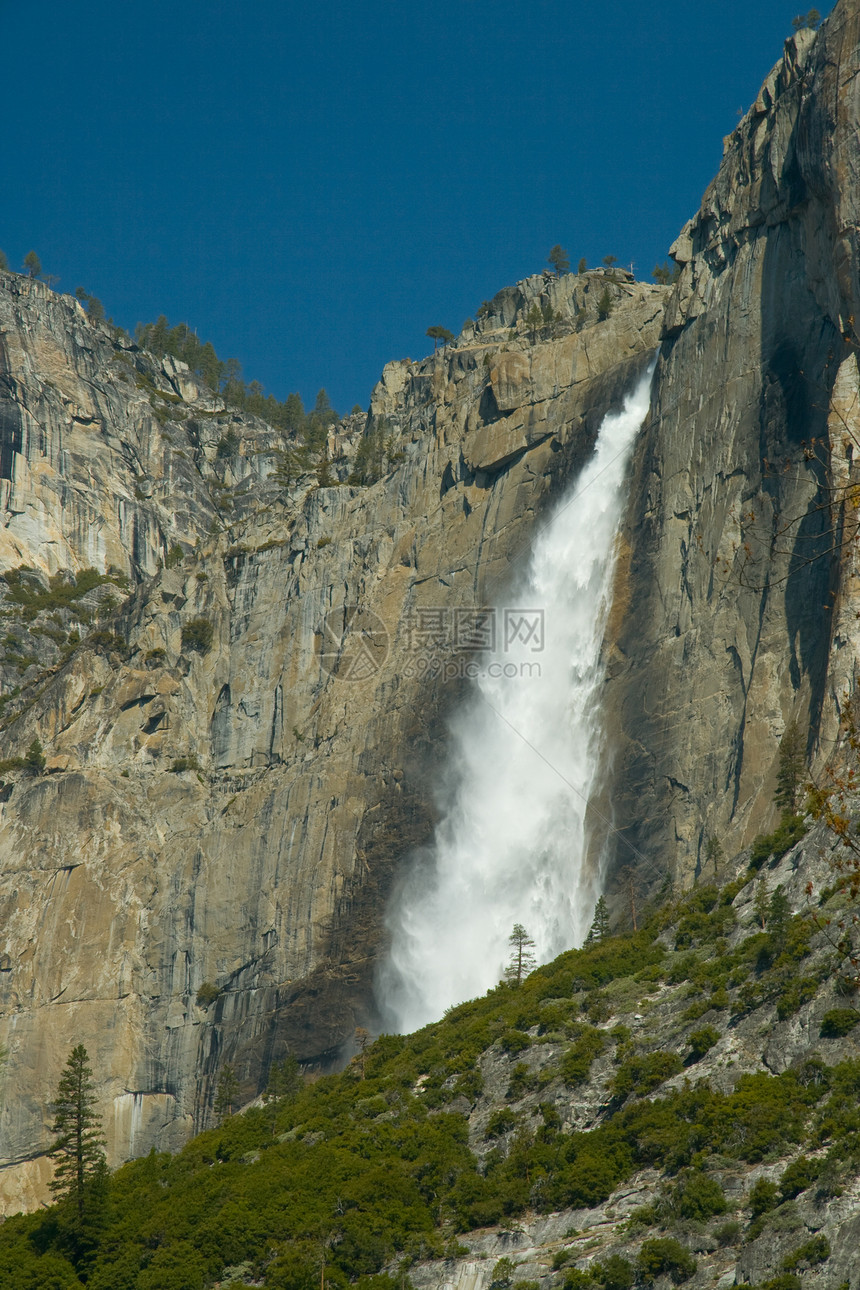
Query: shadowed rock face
736	605
264	866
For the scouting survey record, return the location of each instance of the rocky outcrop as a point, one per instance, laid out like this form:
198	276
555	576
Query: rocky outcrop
762	1037
235	764
736	607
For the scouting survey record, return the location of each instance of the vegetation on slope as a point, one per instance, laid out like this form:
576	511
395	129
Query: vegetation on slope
349	1179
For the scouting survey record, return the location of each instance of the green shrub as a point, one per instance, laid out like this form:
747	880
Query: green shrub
551	1116
698	1197
207	993
554	1016
614	1273
701	1041
28	591
641	1075
503	1272
107	641
500	1122
469	1085
837	1022
813	1252
514	1041
775	845
34	759
577	1279
763	1196
596	1008
180	764
728	1233
797	991
174	556
523	1080
197	635
799	1175
662	1255
576	1061
706	922
228	445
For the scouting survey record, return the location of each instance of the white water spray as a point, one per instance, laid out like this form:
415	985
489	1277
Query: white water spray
511	843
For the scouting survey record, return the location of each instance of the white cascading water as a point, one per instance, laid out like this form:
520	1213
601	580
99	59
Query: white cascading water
511	841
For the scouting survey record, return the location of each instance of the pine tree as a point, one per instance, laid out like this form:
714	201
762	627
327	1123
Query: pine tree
522	960
599	929
666	274
284	1082
361	1038
294	413
778	915
227	1092
559	259
32	264
761	903
792	764
439	333
324	409
325	479
534	319
714	855
291	463
79	1142
210	366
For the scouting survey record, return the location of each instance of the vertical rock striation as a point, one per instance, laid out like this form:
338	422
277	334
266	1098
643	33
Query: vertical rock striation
221	806
736	605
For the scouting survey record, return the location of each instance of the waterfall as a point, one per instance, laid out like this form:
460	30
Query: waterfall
510	845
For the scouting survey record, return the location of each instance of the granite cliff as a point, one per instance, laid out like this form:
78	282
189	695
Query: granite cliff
737	609
230	787
227	791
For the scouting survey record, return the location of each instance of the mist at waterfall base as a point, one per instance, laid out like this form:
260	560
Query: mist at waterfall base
511	843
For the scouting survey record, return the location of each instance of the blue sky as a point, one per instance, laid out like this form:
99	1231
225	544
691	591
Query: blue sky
312	185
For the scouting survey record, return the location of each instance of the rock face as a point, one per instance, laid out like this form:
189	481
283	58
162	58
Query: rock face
736	605
237	764
769	1038
234	766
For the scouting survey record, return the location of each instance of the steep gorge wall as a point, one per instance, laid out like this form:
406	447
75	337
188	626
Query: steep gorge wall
126	884
737	604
